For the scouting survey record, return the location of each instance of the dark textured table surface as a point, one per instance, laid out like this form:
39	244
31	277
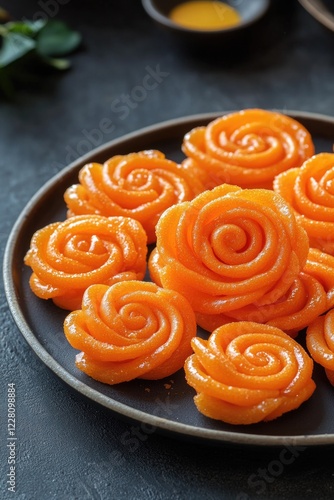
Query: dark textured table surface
68	447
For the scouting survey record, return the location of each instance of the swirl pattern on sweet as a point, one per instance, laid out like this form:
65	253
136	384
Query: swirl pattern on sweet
320	342
305	300
133	329
320	265
247	372
310	191
138	185
247	148
67	257
229	248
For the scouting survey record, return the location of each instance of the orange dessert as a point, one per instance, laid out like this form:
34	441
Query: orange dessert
247	373
67	257
133	329
320	265
247	148
310	191
138	185
231	248
304	301
320	342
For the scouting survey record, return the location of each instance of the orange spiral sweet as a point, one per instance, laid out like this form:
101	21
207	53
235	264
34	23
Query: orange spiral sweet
138	185
67	257
304	301
247	372
133	329
310	191
229	248
247	148
320	342
320	265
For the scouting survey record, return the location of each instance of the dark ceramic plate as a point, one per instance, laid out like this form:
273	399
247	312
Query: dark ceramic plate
321	10
165	405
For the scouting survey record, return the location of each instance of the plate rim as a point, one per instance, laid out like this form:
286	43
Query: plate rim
319	12
181	430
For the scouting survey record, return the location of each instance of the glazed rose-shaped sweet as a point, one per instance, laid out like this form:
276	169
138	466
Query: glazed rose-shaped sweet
138	185
67	257
133	329
247	148
310	191
320	265
247	372
305	300
320	342
229	248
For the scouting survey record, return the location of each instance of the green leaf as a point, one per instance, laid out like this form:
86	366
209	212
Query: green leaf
27	28
14	47
56	39
29	48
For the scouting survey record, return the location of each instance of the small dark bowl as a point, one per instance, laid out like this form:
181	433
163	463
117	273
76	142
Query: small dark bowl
251	11
322	11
